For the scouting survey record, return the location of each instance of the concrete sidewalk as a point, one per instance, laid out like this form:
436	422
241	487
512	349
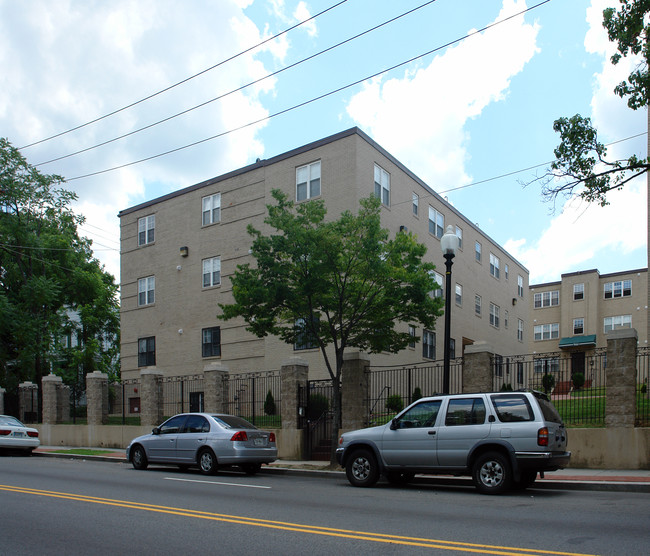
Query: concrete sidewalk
632	480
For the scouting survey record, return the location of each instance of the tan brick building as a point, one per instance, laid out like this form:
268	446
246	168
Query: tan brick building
573	316
179	250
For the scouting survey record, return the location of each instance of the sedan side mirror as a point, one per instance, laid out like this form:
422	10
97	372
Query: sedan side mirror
155	431
394	425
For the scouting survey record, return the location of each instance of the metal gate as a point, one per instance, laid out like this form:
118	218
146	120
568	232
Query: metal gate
316	418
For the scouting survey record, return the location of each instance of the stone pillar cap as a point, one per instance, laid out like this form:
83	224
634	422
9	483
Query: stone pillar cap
295	361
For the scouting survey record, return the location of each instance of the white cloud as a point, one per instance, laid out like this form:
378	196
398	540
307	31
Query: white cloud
301	14
423	114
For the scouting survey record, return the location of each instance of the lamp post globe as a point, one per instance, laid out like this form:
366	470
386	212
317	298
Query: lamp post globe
449	243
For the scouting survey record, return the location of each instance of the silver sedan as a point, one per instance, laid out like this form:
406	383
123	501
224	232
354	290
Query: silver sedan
206	440
16	436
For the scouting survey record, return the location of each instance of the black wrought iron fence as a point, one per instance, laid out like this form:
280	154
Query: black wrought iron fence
124	401
575	382
392	389
643	387
181	394
256	397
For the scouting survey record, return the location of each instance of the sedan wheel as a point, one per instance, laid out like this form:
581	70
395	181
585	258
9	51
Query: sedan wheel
207	462
492	473
362	469
139	458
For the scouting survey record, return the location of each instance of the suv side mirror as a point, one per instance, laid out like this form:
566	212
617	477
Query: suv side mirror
491	419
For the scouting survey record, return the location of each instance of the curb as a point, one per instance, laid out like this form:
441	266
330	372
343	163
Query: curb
544	484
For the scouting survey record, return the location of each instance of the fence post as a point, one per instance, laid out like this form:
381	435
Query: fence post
216	384
50	383
620	377
2	401
354	391
97	398
151	406
477	368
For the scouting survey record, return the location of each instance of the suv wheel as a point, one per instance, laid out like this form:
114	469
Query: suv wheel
492	473
362	469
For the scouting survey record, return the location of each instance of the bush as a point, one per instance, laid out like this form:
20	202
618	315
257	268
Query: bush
506	387
269	404
578	380
416	395
548	382
644	389
394	403
318	404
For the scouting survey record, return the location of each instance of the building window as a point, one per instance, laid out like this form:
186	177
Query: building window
520	372
520	330
506	271
146	291
547	332
621	321
494	265
477	305
308	181
439	291
428	344
436	222
416	203
494	315
459	235
547	299
211	342
412	335
211	272
578	292
578	326
505	319
147	352
306	338
452	348
618	289
520	285
459	294
382	185
547	365
211	209
146	229
477	251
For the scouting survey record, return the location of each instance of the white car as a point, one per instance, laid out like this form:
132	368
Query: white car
16	436
204	440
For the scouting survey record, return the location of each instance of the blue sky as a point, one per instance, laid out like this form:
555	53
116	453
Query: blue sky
460	117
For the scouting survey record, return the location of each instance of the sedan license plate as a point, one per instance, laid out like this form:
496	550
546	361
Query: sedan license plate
258	441
18	434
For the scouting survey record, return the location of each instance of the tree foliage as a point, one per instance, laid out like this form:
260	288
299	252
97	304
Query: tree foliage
581	165
341	284
51	287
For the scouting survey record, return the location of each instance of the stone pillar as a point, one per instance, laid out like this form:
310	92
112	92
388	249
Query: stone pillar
620	377
97	398
477	368
28	402
216	387
50	384
293	373
151	407
63	403
2	401
354	391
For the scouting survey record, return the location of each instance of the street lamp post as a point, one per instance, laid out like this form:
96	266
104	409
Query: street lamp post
449	243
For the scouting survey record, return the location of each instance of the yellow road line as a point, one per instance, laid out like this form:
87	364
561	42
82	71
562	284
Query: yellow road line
295	527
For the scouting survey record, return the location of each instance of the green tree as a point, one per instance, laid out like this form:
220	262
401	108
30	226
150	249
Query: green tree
342	284
50	284
581	160
269	404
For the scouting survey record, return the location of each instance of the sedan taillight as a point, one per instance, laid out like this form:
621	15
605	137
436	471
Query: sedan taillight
542	437
239	436
4	432
33	434
272	437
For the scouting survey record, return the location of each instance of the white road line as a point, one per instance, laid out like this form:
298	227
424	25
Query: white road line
214	483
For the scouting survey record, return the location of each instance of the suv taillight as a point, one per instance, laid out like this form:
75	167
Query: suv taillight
542	437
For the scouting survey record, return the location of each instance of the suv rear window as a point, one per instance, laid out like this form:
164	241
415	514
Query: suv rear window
548	410
512	408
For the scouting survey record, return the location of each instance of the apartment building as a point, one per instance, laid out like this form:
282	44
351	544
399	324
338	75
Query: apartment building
573	316
178	251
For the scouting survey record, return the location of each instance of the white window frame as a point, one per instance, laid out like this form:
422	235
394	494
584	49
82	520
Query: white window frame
428	344
146	229
459	295
416	204
146	291
478	251
620	288
520	285
440	280
546	299
382	185
211	272
211	209
478	305
436	222
495	312
459	235
412	335
494	266
547	332
520	330
309	177
618	321
578	326
578	292
506	271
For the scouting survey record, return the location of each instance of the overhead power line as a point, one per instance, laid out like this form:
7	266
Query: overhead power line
312	100
348	40
186	79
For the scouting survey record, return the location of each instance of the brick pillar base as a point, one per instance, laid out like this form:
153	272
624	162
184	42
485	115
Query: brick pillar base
97	398
151	413
477	369
216	387
354	391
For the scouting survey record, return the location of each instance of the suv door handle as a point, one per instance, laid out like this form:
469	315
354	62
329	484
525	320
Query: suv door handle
432	433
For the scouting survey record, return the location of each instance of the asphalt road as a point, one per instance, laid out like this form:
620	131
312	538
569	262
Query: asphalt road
61	506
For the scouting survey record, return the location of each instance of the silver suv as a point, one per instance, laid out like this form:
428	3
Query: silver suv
501	439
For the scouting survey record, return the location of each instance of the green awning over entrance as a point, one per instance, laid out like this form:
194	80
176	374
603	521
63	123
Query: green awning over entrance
578	341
